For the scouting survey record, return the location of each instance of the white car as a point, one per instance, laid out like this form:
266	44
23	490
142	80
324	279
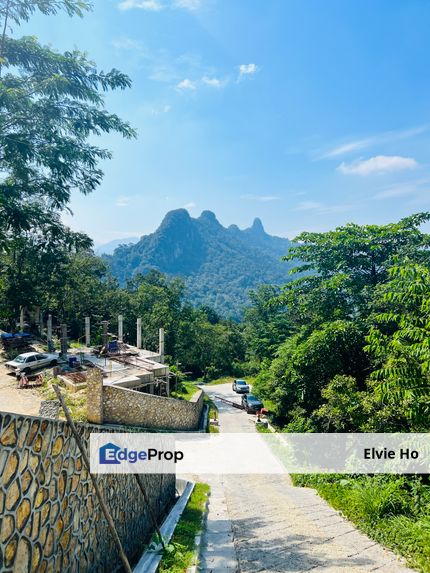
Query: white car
31	361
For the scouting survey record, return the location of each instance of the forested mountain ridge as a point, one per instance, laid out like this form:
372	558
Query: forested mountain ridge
219	264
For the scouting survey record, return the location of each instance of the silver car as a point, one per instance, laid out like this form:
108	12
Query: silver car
240	387
25	363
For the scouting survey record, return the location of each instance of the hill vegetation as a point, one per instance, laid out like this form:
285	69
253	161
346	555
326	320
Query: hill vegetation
218	265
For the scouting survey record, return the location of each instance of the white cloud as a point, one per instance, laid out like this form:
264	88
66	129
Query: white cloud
378	165
248	70
125	43
190	205
377	139
213	82
323	209
417	187
150	5
156	111
157	6
122	201
395	191
347	148
186	85
308	206
262	198
188	4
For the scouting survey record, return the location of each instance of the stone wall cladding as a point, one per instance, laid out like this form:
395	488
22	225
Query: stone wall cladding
50	518
124	406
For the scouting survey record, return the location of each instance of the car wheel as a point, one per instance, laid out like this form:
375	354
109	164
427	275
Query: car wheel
26	371
53	363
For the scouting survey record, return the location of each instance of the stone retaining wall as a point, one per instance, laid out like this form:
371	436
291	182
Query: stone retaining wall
116	405
50	518
124	406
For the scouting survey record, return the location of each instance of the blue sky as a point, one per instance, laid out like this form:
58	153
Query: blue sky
308	114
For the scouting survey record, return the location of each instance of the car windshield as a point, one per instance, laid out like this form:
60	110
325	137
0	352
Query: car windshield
20	359
241	382
253	399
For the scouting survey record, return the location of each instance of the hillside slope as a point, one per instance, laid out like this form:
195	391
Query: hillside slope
218	264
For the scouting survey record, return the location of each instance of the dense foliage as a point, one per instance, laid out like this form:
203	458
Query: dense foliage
359	329
219	266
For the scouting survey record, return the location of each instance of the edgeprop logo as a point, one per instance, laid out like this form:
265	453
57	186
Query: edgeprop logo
112	454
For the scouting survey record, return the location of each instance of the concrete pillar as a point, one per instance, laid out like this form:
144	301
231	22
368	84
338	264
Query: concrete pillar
105	324
49	328
64	340
139	333
87	331
161	344
40	321
95	396
120	328
21	319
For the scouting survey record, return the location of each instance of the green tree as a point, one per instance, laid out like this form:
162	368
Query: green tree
306	364
34	269
399	341
265	326
50	105
345	265
344	409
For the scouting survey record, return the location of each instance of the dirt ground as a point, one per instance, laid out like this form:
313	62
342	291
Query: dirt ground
18	400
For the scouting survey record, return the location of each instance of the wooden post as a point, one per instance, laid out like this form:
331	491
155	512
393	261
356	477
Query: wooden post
151	513
97	489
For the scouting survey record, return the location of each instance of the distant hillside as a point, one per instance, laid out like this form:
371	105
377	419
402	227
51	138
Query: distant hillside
218	264
109	248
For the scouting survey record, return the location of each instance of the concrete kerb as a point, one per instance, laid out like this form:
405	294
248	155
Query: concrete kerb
150	560
204	419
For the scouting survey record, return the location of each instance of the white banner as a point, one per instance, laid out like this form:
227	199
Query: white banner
254	453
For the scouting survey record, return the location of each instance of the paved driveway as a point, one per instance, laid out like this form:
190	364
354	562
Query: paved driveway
261	523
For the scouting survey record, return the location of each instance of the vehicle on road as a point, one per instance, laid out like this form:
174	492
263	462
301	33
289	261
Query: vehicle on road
240	386
25	363
251	404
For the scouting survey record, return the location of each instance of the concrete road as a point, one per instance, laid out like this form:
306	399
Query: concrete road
261	523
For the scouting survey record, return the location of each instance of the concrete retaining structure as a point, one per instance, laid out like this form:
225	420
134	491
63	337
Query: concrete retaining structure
50	518
113	404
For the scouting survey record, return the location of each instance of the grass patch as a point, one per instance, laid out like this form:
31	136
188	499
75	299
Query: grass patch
188	527
393	510
212	414
223	380
263	429
229	380
185	390
75	401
